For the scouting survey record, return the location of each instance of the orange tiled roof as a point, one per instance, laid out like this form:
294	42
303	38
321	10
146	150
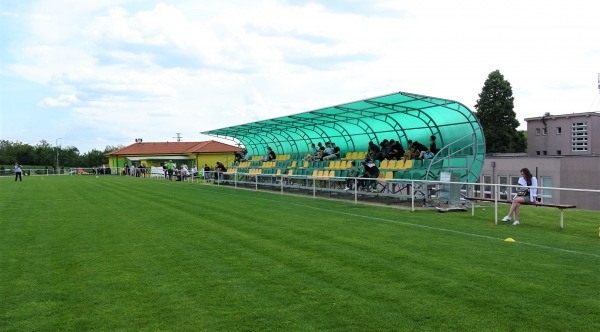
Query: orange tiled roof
158	148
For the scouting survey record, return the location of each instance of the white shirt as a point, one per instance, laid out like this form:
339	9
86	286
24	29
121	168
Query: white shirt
532	191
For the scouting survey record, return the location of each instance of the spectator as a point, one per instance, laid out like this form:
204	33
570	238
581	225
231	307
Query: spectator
219	170
335	153
527	193
270	155
372	152
18	171
396	151
237	156
314	151
371	172
245	155
170	169
430	153
206	172
418	149
353	173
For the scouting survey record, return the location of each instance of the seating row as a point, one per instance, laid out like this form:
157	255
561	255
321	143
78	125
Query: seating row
384	175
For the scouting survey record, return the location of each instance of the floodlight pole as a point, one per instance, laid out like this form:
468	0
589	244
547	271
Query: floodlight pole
56	143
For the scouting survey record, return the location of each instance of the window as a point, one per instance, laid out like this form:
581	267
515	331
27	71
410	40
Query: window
558	130
545	153
487	190
558	152
545	194
544	131
538	131
514	180
579	136
537	152
504	191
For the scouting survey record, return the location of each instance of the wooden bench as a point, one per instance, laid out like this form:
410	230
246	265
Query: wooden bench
561	207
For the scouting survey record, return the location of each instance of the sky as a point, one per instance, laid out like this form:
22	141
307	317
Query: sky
91	74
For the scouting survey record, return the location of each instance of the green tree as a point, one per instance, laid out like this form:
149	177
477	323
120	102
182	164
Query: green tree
93	158
495	111
44	154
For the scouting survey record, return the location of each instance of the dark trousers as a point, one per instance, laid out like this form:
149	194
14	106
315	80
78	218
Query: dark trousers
18	175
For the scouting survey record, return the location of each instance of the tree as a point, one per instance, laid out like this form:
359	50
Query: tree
495	111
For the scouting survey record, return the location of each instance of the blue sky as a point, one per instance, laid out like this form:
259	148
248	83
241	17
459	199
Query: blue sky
98	73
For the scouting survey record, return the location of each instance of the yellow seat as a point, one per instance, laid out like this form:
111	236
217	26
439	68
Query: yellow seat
408	164
383	164
337	164
392	164
291	172
344	164
331	164
294	164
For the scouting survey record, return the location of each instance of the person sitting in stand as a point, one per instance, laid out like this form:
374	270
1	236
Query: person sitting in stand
430	153
314	151
371	172
270	155
353	173
396	151
245	155
418	149
385	150
372	151
334	153
237	156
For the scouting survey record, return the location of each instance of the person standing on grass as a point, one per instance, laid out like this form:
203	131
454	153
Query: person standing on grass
526	193
170	167
18	171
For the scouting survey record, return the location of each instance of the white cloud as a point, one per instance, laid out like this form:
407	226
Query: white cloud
61	101
153	69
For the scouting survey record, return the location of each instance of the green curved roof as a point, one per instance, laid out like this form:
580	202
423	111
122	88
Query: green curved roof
400	116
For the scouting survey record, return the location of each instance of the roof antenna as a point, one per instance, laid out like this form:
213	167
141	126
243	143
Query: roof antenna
178	136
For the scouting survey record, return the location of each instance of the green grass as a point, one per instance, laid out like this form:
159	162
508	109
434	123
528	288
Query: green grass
120	253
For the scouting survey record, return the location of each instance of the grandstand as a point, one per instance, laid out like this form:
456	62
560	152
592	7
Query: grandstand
400	116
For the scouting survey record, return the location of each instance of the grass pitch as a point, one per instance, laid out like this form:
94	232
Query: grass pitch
121	253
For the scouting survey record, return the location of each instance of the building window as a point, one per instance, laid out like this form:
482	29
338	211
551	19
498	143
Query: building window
579	136
545	194
487	190
537	152
514	180
538	131
544	131
545	153
504	191
558	130
558	152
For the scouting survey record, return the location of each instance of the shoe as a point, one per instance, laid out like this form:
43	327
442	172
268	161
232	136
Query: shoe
346	188
516	223
374	191
507	218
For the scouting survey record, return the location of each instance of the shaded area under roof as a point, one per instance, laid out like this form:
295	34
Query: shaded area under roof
400	116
